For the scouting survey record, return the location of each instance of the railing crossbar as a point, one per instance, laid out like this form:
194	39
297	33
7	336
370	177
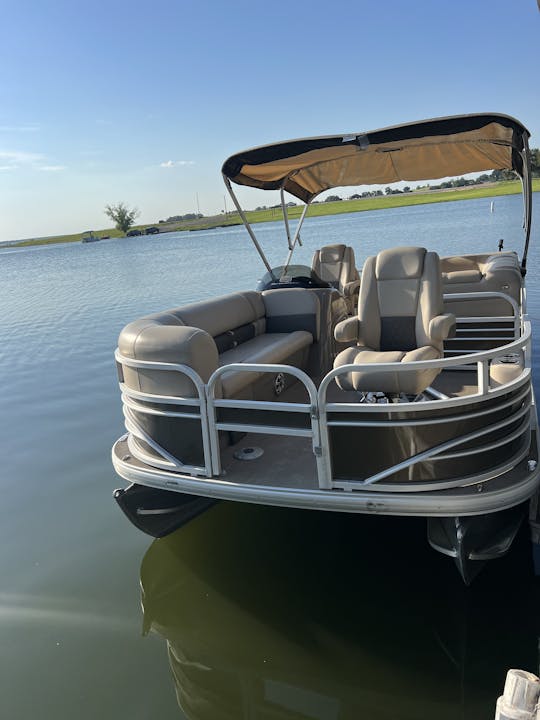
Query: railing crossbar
263	405
265	429
156	411
487	319
161	399
467	338
523	427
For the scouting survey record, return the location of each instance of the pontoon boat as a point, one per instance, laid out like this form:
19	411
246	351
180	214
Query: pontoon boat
405	393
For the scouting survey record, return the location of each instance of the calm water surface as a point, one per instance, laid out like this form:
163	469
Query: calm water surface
248	612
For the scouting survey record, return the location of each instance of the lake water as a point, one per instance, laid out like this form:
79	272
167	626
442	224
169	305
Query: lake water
253	612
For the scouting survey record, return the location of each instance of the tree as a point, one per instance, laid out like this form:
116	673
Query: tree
498	175
121	215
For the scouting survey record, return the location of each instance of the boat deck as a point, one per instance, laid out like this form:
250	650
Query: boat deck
290	480
284	461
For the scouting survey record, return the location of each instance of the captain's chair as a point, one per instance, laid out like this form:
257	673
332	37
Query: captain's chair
335	264
399	320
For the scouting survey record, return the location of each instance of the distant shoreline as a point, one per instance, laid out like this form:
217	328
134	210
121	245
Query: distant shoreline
416	197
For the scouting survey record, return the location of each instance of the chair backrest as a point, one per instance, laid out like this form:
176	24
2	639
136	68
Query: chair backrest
335	264
400	293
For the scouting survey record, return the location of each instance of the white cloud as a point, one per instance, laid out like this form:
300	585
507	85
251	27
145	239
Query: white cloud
176	163
16	157
51	168
19	128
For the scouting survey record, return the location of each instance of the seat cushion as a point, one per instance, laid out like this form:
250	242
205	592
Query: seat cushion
367	381
458	263
400	263
360	355
272	348
423	353
410	383
462	276
221	314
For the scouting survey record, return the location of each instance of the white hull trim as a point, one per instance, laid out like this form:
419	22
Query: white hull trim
499	494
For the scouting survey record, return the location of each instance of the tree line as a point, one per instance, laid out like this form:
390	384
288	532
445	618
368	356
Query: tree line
495	176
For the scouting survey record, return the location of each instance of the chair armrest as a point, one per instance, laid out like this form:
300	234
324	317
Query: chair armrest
442	327
347	330
351	287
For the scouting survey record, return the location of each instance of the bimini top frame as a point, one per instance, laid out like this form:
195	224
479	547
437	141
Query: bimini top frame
423	150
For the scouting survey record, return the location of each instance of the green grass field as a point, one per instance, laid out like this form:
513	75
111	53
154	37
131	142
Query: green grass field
317	209
392	201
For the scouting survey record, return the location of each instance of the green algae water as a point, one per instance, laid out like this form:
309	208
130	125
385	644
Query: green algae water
247	612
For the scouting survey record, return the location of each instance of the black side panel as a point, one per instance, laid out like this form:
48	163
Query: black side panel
290	323
181	437
354	457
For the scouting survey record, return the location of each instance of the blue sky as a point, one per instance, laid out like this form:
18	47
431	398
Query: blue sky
141	102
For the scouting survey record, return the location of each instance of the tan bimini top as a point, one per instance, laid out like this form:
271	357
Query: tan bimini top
424	150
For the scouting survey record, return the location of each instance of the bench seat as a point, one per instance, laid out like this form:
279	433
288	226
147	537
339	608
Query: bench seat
273	327
271	348
499	272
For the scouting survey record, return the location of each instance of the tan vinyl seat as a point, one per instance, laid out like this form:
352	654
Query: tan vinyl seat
335	264
399	320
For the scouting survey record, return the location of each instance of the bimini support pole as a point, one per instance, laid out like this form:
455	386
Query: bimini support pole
296	237
527	198
285	217
247	225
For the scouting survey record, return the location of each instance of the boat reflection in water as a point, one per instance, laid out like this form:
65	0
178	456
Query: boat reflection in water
276	613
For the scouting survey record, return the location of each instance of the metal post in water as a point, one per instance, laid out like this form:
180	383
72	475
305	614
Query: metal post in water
519	700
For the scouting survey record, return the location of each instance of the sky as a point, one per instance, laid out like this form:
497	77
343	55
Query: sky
141	103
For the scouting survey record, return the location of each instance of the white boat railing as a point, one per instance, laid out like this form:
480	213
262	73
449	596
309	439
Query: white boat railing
321	414
309	409
133	401
475	330
482	360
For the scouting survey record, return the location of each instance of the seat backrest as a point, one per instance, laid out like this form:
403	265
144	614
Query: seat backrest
400	293
335	264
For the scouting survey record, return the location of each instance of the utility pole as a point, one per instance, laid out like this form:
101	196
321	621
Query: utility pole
225	204
198	208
